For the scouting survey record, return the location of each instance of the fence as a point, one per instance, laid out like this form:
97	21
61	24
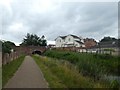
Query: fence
0	59
93	50
7	58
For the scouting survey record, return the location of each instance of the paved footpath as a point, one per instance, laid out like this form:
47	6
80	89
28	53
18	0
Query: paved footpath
28	75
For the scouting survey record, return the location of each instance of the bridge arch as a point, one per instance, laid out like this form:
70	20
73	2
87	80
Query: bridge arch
39	52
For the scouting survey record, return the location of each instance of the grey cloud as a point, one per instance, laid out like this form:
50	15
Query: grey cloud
83	19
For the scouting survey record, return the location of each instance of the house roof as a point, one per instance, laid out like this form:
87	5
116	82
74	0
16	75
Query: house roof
75	36
63	37
89	39
107	44
79	42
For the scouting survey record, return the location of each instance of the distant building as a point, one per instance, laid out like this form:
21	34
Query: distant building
108	44
89	42
51	45
110	47
69	41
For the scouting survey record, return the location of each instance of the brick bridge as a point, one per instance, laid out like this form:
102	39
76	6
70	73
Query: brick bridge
20	50
29	49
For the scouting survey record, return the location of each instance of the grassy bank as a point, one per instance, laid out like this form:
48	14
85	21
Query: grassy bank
8	70
95	66
59	75
89	64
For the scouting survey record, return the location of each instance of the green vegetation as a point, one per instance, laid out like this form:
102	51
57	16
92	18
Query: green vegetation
8	70
92	65
0	78
106	39
1	46
33	39
7	46
89	63
111	50
59	75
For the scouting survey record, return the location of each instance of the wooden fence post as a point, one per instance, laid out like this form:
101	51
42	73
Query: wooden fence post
8	58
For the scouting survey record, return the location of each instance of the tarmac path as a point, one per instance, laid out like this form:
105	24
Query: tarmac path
28	75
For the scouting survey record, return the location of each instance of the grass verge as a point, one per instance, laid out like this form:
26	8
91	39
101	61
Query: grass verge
8	70
60	76
94	65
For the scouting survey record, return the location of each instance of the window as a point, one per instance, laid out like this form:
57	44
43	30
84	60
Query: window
69	39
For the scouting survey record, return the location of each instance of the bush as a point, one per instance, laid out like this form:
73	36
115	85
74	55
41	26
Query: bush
104	56
114	84
94	65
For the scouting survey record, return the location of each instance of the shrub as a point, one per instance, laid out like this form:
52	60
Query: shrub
94	65
114	84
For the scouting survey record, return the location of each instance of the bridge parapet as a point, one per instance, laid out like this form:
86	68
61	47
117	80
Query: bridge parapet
21	50
30	49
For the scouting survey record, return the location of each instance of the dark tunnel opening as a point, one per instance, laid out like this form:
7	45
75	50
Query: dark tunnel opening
37	52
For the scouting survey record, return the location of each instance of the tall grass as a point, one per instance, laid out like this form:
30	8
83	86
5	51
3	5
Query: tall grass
94	65
8	70
61	76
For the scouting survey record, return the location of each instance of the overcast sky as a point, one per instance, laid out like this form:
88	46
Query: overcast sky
53	18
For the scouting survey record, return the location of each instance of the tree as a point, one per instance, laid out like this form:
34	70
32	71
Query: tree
105	39
0	46
33	39
7	46
44	42
118	42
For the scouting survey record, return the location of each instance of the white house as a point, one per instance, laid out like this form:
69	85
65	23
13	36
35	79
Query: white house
69	41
